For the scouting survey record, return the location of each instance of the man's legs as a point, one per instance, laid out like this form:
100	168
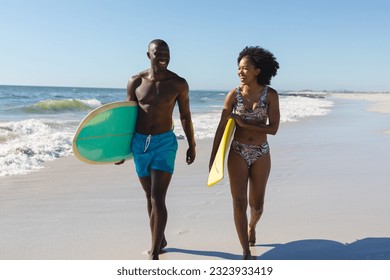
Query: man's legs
156	187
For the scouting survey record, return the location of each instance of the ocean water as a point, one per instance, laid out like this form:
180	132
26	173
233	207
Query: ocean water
37	124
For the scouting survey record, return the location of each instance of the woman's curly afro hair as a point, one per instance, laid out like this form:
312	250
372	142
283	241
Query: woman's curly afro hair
262	59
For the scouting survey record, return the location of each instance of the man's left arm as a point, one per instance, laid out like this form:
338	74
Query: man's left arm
186	121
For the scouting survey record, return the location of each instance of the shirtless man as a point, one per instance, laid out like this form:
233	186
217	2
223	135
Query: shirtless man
154	146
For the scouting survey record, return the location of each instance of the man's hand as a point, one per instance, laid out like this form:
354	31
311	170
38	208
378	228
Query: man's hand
120	162
190	155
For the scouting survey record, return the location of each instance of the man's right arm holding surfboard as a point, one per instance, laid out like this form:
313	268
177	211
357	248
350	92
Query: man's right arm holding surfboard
130	96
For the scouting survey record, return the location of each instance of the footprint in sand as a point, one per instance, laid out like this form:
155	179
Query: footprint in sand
194	216
208	203
183	231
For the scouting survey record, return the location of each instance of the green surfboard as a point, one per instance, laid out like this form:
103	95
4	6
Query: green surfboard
105	134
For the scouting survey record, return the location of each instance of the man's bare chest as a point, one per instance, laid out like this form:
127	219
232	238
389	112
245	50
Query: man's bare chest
150	92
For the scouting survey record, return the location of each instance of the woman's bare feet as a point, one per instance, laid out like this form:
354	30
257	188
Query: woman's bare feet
164	244
252	236
248	256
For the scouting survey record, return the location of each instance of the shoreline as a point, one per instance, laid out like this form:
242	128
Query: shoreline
326	199
379	102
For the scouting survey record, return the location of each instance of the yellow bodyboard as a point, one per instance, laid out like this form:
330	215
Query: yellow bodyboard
217	169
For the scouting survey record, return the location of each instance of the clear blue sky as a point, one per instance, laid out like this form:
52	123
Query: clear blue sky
320	45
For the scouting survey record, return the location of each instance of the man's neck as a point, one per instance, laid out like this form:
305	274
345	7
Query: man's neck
157	75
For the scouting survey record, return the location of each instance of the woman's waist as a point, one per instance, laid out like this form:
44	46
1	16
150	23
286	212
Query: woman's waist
250	138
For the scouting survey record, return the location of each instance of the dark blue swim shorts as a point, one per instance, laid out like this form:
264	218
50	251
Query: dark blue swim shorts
156	152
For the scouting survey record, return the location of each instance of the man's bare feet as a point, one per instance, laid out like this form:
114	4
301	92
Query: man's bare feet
164	244
153	257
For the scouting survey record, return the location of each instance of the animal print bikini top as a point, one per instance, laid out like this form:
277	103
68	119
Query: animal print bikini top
257	115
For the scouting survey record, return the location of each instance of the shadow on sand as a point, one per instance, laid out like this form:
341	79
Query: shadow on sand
371	248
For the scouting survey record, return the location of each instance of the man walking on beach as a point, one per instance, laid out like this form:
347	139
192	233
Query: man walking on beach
154	146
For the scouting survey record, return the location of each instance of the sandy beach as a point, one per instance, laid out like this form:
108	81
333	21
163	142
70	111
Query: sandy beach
327	198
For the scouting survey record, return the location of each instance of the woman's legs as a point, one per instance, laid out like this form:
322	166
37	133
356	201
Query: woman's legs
258	177
238	175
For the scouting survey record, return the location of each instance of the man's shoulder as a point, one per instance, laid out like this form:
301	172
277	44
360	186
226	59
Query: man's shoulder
137	78
178	79
141	75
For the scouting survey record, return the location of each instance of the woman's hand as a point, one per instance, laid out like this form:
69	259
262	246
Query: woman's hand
238	120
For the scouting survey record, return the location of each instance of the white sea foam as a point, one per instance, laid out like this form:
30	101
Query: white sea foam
293	108
25	145
204	125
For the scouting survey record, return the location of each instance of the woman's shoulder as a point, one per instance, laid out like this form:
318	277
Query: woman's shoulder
272	95
230	97
271	90
233	93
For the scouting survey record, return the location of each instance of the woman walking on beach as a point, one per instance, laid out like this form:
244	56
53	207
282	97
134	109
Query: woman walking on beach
254	106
